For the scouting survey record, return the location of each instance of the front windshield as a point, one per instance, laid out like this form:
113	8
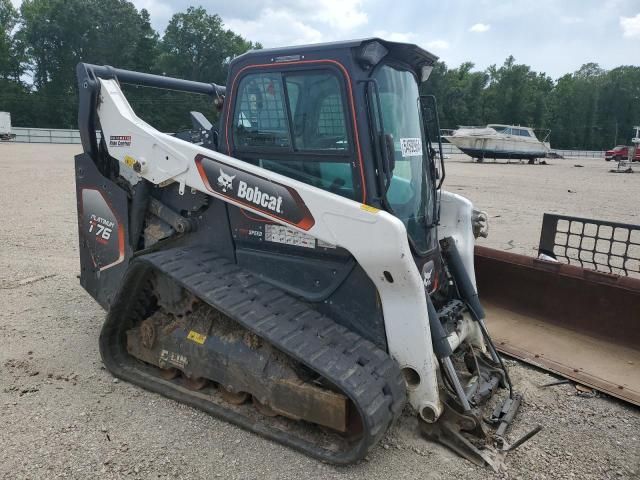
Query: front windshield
410	192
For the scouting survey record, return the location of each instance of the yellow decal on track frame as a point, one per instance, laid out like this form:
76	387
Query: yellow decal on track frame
196	337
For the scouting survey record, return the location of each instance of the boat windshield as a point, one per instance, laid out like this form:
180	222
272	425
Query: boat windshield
501	129
410	194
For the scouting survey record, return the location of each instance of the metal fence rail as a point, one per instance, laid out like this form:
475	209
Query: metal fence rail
581	153
450	149
59	135
48	135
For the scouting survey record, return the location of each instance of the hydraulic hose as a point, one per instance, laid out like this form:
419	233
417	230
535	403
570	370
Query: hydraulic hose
461	277
443	351
470	297
441	346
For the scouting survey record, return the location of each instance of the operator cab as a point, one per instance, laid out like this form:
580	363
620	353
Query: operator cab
346	117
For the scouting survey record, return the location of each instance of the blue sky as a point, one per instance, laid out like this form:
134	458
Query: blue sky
553	36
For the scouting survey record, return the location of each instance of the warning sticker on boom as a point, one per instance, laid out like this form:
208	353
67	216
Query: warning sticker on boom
120	141
287	236
411	147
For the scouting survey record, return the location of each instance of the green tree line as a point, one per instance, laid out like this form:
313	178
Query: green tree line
41	43
591	108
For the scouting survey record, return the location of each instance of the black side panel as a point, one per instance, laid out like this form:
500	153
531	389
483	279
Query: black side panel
356	305
102	231
327	277
342	292
310	278
292	260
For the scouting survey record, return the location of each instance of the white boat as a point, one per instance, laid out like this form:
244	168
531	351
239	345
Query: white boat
498	141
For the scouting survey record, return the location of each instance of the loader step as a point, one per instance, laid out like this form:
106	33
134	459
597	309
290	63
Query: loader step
358	369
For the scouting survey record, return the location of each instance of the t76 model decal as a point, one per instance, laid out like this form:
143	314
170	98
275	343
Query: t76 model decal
264	195
100	229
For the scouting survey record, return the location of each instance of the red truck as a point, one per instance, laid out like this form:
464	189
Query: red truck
621	152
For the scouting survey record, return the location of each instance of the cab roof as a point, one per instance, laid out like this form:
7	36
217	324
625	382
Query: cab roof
406	52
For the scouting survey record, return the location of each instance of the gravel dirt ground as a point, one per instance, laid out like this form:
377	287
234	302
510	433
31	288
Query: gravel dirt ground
63	415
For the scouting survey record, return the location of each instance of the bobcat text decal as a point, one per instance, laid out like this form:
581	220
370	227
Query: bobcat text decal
259	193
253	194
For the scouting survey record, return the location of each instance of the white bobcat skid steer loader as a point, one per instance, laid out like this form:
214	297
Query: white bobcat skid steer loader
298	271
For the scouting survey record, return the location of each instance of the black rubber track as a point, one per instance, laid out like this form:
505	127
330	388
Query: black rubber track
359	369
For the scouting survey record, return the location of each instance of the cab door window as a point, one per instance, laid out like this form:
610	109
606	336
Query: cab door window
295	124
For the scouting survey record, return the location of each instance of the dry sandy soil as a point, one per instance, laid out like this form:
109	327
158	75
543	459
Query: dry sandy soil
63	415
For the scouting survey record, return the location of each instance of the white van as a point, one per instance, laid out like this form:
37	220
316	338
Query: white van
5	126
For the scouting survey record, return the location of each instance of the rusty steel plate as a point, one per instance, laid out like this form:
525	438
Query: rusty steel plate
578	323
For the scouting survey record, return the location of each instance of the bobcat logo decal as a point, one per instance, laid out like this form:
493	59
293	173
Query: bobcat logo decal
225	181
427	275
251	191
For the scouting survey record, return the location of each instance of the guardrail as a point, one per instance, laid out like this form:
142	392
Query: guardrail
59	135
581	153
48	135
450	149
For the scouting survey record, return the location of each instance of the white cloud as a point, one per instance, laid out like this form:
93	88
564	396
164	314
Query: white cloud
296	22
571	20
480	28
630	26
268	29
343	14
410	37
334	18
406	37
438	45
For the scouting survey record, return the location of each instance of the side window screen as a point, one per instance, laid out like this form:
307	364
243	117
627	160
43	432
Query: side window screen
331	118
260	117
318	115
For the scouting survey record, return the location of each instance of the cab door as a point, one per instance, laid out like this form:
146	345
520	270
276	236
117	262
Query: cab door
297	122
294	122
